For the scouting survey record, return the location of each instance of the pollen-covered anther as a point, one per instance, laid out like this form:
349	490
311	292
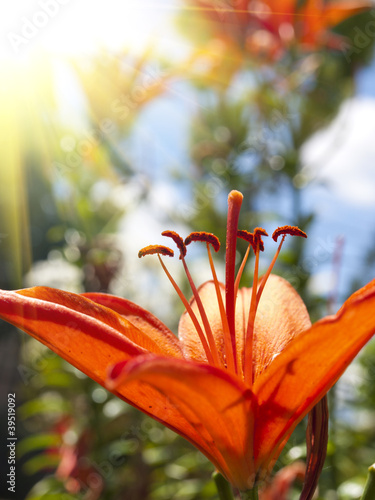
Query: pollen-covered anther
259	231
155	249
245	235
292	230
177	239
205	237
258	242
253	238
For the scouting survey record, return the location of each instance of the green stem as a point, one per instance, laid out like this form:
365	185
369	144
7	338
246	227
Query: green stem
369	492
223	487
250	494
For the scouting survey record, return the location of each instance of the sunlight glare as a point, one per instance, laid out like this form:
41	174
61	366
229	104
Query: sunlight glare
78	27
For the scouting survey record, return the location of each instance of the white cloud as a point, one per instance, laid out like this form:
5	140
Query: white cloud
343	155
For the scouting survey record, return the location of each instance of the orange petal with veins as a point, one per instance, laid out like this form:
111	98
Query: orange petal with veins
306	369
89	336
217	405
281	315
141	319
189	338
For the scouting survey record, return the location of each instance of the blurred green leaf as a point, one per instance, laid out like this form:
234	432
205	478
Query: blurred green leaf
38	442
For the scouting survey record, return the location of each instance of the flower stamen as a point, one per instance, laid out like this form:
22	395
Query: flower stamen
178	240
203	236
249	237
280	231
210	238
162	250
258	247
257	292
153	249
210	337
284	230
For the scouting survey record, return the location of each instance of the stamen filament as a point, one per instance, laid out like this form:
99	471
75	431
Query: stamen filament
224	319
240	271
248	357
257	293
191	313
280	231
206	323
269	270
234	206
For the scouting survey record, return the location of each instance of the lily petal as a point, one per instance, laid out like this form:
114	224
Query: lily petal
281	316
306	369
214	408
142	319
187	333
89	336
338	10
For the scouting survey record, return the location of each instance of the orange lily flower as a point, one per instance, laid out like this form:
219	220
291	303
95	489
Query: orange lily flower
269	27
312	22
246	366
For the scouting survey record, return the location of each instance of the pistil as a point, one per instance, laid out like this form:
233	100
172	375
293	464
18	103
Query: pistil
234	206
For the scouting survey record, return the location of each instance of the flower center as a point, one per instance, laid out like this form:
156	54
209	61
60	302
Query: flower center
227	311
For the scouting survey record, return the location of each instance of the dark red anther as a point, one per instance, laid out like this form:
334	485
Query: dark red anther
245	235
292	230
205	237
178	240
259	231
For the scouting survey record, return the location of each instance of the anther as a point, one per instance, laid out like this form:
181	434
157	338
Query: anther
280	231
245	235
258	246
259	231
210	238
253	239
155	249
261	244
205	237
178	240
292	230
212	353
249	237
258	242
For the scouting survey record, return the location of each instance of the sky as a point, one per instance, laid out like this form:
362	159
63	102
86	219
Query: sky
340	157
343	154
